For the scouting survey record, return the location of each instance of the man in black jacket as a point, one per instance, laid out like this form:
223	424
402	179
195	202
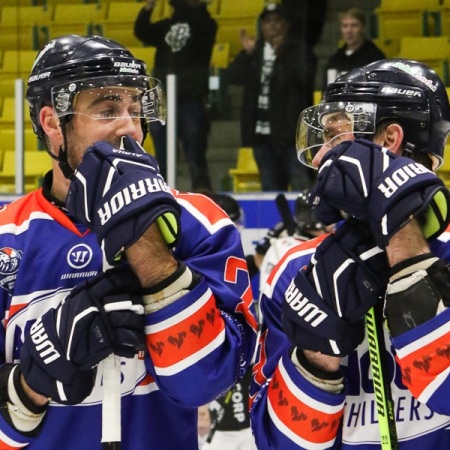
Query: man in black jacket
277	73
184	45
357	50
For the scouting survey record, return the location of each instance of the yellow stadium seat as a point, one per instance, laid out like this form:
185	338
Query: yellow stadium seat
246	175
7	116
432	50
126	12
220	56
8	139
236	9
317	97
149	145
17	63
79	18
121	34
397	18
234	16
119	22
25	16
147	54
214	7
36	163
16	2
390	47
444	171
7	86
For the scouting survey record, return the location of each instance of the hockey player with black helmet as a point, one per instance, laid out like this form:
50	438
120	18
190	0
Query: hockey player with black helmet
375	138
175	306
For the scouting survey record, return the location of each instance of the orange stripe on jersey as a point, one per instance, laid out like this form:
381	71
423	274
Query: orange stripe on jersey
258	367
20	210
422	366
13	309
147	380
183	337
303	420
302	246
206	205
6	446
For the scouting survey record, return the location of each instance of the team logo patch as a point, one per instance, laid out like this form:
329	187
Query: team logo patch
9	265
79	256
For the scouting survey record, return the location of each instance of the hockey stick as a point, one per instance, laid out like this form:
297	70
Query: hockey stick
111	407
382	388
285	213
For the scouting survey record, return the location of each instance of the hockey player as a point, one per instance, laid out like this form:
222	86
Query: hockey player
176	305
374	138
306	227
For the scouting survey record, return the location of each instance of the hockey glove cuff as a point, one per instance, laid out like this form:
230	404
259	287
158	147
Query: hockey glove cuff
418	289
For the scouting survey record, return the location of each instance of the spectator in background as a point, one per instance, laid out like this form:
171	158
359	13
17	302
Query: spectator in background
357	50
277	72
307	19
184	44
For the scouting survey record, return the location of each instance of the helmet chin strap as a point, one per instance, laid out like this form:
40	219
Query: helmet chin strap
66	170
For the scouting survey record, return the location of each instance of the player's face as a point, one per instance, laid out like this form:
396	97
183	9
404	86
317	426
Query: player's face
103	117
352	31
337	128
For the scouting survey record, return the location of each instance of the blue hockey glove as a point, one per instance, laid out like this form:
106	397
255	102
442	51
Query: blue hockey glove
326	302
99	317
119	193
373	185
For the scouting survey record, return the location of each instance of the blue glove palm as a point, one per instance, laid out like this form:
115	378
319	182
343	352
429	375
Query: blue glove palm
119	193
325	303
99	317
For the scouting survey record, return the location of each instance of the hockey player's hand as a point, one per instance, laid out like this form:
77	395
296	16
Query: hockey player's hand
99	317
119	193
265	242
325	303
372	184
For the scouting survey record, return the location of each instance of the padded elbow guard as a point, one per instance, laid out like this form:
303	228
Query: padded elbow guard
418	289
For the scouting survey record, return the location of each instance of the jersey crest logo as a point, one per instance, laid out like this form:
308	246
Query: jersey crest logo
9	265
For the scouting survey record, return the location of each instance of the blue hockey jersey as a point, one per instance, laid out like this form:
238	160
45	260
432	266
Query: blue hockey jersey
198	346
288	412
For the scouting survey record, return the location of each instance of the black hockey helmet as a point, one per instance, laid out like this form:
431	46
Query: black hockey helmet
404	90
304	217
228	203
69	64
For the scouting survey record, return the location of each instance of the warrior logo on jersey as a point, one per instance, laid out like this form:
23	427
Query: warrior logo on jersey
79	256
9	265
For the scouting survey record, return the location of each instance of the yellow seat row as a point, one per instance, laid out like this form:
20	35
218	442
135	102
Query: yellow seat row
36	164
